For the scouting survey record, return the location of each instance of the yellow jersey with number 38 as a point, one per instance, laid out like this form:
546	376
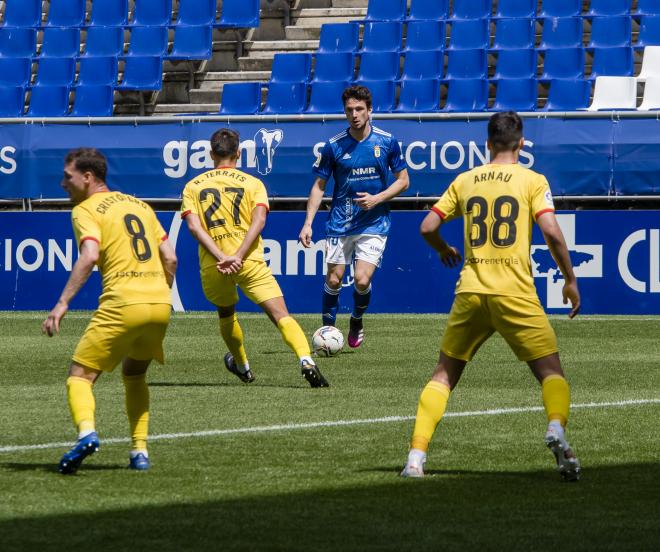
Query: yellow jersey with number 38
129	235
499	204
224	199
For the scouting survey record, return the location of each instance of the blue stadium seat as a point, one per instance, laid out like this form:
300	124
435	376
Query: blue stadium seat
386	10
12	100
241	98
286	97
612	62
104	42
61	42
379	66
516	95
142	73
239	14
382	36
16	42
423	64
325	97
609	7
560	8
339	37
49	101
467	95
514	33
148	41
98	71
516	64
93	101
24	13
382	94
648	7
467	64
468	34
419	96
649	31
425	35
471	9
610	31
563	63
515	8
567	95
152	12
15	71
192	43
56	72
563	32
196	13
291	68
334	66
110	13
428	10
66	13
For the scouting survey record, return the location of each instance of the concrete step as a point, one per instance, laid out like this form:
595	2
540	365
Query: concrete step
280	46
300	32
350	4
253	63
320	13
210	79
177	109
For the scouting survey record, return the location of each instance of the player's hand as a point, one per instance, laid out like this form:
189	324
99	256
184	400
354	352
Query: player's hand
366	201
231	264
305	236
571	293
450	256
51	325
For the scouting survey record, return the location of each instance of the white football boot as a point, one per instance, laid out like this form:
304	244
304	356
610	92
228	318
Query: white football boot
568	465
415	465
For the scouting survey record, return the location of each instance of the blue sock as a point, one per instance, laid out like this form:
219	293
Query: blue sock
330	305
361	301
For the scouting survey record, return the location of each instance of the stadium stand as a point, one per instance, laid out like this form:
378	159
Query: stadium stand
325	97
291	68
382	36
333	66
568	95
421	95
563	63
610	31
471	9
93	101
49	101
650	63
515	8
55	71
560	8
516	64
614	93
649	31
109	13
98	71
465	95
382	94
609	7
26	13
467	64
651	99
648	7
612	62
514	33
425	35
516	95
66	13
386	10
469	34
563	32
376	66
423	64
339	37
286	97
15	71
241	98
428	10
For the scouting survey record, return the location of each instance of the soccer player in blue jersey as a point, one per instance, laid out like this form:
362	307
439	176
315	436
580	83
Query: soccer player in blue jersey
360	160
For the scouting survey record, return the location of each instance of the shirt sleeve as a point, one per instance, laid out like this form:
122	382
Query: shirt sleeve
325	164
395	158
260	196
85	227
189	204
448	206
541	197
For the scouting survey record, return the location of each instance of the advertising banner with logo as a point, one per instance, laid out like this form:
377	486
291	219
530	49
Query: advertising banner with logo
597	157
616	255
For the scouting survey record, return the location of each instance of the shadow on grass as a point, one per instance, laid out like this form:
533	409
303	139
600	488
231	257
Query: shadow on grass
221	384
612	508
52	468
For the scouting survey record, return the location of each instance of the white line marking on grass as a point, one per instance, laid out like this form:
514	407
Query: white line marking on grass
335	423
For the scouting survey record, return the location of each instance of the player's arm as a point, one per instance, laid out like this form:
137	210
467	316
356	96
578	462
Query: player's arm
313	204
256	226
555	240
401	184
430	230
168	260
202	236
89	256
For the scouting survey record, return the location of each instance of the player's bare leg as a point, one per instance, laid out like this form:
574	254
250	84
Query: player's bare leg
431	408
236	359
134	374
331	290
556	399
364	272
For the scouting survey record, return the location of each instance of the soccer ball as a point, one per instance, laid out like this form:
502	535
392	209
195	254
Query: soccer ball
327	341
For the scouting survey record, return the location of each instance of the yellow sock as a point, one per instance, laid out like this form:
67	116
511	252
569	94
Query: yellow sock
293	336
232	334
137	409
431	407
81	403
556	398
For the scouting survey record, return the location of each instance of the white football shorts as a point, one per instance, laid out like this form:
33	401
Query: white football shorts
342	250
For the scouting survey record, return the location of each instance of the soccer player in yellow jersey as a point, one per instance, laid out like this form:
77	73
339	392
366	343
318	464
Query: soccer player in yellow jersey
495	292
122	236
225	210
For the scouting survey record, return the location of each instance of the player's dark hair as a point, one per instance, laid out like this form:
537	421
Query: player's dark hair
225	143
88	160
360	93
505	131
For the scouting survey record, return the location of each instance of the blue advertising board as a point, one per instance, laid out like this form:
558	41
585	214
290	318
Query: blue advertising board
616	255
595	156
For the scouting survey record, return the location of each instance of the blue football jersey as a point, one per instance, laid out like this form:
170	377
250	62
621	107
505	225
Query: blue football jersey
358	167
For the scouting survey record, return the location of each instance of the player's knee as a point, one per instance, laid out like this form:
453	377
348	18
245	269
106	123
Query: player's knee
333	280
226	312
362	281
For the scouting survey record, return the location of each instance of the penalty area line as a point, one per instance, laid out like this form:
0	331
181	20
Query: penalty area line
330	423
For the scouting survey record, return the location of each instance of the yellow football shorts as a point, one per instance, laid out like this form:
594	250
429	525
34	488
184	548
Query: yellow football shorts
115	332
255	280
521	321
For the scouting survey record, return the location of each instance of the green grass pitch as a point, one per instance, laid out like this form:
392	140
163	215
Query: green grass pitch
491	483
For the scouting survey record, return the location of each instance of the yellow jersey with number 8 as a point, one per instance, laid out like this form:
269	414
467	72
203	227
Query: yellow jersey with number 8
224	199
499	204
129	235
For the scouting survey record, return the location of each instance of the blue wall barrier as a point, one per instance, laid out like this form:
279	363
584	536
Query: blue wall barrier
616	256
594	156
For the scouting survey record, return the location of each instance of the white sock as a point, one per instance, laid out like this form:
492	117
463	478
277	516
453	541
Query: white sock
416	457
85	433
556	426
242	368
307	359
134	453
